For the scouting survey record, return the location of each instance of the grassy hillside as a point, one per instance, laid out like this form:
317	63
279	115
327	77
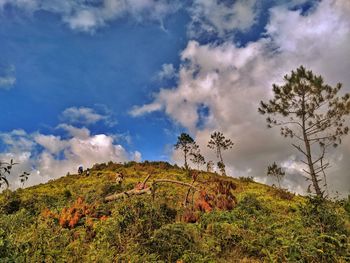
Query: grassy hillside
68	220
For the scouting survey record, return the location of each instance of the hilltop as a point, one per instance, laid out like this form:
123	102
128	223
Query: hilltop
225	220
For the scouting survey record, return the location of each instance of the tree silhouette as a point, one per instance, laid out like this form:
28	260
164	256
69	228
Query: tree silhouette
196	156
276	171
218	142
313	114
186	144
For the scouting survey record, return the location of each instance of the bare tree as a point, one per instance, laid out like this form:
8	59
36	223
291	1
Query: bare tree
313	114
218	142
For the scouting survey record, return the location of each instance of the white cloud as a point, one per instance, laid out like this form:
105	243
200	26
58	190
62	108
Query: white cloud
167	72
51	143
56	156
7	78
221	17
137	157
86	116
89	15
81	133
7	82
138	111
231	81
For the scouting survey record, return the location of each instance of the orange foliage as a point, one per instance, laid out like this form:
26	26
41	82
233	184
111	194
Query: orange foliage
71	217
217	195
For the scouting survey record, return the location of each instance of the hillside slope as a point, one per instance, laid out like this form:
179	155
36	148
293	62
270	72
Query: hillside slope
225	220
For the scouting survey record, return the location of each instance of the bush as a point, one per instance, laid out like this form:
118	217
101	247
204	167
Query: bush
250	204
225	235
248	179
11	204
171	242
322	216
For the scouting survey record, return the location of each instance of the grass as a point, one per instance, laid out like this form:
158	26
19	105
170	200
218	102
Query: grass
47	223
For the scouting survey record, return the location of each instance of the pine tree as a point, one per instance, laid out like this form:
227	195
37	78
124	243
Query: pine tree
276	171
218	142
312	113
186	144
196	156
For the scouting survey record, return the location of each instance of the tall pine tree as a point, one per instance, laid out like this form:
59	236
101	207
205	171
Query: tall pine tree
312	113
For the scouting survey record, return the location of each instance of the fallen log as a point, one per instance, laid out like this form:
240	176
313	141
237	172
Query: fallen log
147	190
174	182
128	194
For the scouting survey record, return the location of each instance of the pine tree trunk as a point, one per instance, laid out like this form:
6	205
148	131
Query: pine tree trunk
186	165
309	155
311	167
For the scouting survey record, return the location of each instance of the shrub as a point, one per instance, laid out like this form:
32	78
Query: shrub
322	215
250	204
11	203
247	179
226	235
171	242
283	194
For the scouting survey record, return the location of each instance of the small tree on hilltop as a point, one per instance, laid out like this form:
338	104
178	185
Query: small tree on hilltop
197	157
218	142
276	171
186	144
313	114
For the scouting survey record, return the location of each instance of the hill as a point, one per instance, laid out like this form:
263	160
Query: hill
225	219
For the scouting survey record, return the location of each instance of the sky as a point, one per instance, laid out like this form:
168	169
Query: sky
89	81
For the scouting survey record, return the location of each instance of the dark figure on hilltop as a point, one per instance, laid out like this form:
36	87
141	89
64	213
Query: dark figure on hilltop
80	170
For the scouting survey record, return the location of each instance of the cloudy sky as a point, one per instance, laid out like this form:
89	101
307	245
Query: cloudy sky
87	81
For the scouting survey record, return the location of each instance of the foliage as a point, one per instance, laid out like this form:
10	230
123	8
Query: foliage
185	143
310	111
170	242
218	142
196	156
257	225
5	170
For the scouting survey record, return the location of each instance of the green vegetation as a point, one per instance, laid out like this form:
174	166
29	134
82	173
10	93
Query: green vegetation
68	220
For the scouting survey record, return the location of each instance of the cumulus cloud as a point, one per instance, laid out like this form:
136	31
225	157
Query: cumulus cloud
222	17
86	116
89	15
48	156
230	81
82	133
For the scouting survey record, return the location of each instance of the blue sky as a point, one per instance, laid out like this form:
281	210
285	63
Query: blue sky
122	78
57	68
